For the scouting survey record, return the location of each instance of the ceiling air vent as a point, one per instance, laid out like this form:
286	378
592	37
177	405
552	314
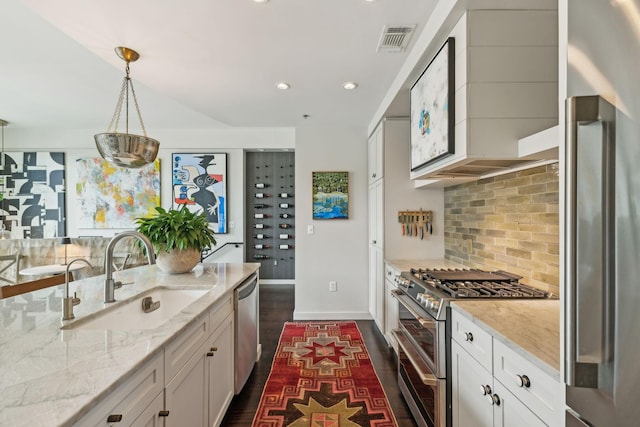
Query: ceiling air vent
395	39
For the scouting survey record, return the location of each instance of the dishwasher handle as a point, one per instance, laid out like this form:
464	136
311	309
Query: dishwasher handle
246	289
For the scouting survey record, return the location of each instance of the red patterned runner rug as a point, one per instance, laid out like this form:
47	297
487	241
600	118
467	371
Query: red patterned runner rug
322	376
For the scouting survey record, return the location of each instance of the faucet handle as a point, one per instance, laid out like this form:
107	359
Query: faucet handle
75	300
117	285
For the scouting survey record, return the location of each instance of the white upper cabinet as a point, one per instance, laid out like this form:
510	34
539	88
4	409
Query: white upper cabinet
506	88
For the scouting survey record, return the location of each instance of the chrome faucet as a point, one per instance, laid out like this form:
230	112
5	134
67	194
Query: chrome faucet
68	302
109	284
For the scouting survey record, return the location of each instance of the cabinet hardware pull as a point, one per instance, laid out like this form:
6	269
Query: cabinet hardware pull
486	389
495	399
523	381
114	418
214	349
210	354
468	336
163	413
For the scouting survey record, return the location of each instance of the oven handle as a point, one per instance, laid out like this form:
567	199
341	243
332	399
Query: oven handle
420	367
405	300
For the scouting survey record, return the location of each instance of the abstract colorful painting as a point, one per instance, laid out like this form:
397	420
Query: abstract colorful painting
330	195
111	196
432	109
33	195
200	183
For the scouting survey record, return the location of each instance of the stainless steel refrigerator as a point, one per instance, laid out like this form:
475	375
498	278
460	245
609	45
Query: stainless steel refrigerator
602	215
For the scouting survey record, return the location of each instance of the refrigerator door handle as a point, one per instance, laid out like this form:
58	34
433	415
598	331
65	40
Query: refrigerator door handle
590	245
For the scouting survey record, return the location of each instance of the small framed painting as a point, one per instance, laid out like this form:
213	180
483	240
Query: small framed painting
330	195
432	109
200	182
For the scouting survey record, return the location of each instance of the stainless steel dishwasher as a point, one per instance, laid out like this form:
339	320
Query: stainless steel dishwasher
246	330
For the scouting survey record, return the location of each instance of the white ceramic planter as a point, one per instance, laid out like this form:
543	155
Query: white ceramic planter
177	261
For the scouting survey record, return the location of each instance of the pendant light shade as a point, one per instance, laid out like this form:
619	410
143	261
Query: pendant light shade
126	149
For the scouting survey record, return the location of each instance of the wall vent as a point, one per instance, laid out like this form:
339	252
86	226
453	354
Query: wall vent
395	38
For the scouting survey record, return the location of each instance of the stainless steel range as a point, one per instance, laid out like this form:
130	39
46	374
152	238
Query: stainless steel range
424	333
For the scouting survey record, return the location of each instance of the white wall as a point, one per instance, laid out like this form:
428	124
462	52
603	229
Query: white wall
79	144
338	248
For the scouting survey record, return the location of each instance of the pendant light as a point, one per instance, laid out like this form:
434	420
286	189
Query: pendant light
126	149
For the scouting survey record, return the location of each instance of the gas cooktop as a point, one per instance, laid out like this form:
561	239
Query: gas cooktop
474	283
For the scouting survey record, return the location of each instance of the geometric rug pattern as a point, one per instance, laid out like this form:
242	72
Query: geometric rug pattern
322	376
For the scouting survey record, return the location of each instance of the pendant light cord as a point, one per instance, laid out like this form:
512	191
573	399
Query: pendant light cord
124	97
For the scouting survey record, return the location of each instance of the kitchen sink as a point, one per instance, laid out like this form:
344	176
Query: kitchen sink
140	313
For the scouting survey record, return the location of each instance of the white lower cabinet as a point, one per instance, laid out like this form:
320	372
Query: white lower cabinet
221	371
202	389
493	386
391	311
376	286
479	400
189	383
471	406
124	406
154	415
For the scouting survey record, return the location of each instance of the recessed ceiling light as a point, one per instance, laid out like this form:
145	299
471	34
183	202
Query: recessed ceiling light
350	85
283	85
267	1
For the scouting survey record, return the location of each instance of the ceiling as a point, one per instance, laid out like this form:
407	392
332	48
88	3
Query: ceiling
204	63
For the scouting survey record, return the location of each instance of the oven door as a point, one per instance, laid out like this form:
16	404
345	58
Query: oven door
427	334
424	393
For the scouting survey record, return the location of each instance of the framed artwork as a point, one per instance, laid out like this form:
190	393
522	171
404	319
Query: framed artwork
433	109
33	194
111	196
200	183
330	195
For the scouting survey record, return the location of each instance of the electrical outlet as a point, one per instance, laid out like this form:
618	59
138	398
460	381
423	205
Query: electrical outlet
333	286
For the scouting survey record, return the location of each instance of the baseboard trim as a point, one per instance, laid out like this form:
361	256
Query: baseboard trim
277	282
334	315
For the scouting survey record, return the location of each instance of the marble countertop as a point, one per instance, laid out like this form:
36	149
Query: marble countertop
52	377
529	327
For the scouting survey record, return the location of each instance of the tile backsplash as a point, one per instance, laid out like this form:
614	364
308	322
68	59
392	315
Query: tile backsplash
508	222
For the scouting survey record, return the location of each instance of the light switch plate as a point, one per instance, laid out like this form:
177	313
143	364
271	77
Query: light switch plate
309	229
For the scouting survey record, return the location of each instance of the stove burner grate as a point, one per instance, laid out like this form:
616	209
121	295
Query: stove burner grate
485	289
474	283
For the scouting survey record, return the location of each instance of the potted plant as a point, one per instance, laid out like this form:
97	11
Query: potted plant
178	237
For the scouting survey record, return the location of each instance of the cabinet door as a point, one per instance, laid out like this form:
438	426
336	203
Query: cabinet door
151	416
511	412
391	313
130	399
187	395
376	215
471	402
221	371
375	147
376	287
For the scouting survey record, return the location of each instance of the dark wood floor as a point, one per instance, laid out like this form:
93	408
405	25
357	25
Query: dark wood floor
276	307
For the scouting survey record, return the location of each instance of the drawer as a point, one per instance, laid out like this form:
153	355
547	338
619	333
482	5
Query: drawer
220	312
475	340
180	350
131	398
543	395
390	273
